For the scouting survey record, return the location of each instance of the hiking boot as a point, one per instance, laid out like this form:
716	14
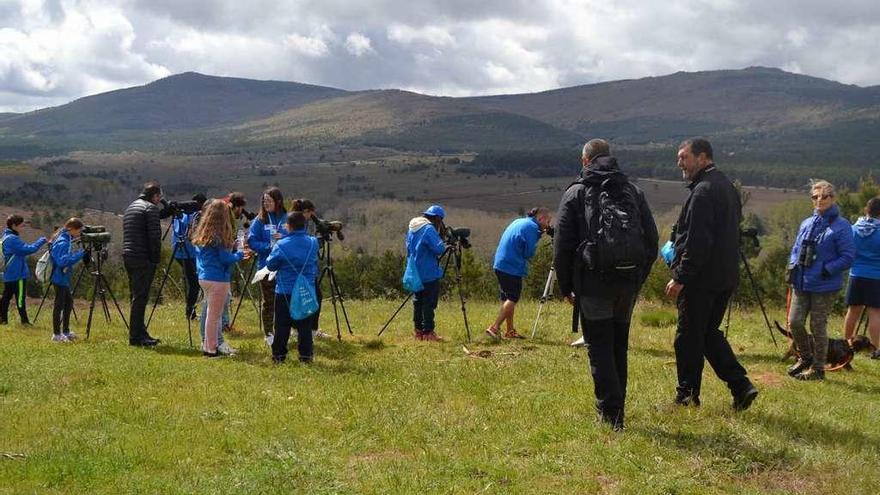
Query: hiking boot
493	332
744	399
801	365
687	400
512	334
811	374
432	336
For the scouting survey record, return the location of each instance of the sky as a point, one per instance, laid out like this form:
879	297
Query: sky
54	51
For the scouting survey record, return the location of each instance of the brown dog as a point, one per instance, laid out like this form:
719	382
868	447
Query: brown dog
840	351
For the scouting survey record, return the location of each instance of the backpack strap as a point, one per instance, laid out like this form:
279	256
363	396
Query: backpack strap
311	248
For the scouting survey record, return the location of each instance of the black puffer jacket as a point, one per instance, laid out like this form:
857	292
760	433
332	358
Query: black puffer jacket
706	236
572	228
142	232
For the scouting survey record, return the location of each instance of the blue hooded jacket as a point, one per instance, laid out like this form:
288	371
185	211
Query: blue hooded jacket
517	246
866	237
180	227
296	252
63	259
260	238
424	244
214	262
834	250
14	253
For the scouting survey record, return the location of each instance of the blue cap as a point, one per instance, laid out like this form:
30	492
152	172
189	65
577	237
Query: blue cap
435	211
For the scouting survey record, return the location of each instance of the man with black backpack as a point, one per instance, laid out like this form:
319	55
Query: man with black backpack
605	244
705	271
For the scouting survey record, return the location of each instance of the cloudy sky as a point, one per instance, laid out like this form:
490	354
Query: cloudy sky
53	51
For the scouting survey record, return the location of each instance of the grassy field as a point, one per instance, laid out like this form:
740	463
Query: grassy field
399	416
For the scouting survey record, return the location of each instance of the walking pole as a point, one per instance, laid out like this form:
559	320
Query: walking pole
548	286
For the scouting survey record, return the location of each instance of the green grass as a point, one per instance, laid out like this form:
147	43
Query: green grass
399	416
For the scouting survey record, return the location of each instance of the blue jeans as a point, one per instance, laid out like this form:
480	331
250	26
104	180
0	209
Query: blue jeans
225	319
424	304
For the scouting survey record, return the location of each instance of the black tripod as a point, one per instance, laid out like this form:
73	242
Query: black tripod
72	292
452	252
246	289
335	293
179	244
101	288
757	292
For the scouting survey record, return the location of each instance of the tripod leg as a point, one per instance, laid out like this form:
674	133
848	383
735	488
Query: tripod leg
335	310
758	297
161	286
42	301
547	288
115	302
461	293
79	277
250	274
334	289
395	314
92	306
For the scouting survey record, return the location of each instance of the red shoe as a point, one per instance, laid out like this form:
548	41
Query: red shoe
493	332
511	334
432	336
418	335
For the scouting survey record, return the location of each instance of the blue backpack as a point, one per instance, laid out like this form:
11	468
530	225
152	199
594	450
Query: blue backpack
412	282
303	300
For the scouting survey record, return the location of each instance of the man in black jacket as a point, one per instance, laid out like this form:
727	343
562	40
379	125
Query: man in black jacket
141	248
604	297
705	271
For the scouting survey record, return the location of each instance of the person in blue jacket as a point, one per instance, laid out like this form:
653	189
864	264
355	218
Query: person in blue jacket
15	276
63	261
214	241
424	248
266	229
294	254
822	251
185	254
516	247
863	292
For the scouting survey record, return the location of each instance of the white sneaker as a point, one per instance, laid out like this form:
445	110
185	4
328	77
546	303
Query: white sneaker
226	350
269	339
59	338
70	335
318	334
578	343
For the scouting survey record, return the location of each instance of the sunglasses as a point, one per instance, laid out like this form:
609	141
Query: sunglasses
816	197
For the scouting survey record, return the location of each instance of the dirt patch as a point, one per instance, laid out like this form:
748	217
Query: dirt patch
768	379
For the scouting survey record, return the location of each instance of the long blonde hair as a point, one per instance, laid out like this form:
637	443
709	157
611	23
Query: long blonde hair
73	223
215	225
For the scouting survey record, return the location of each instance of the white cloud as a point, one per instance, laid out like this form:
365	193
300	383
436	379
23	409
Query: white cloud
52	51
358	45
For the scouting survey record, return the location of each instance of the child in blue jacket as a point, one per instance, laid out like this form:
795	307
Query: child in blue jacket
63	261
424	248
295	254
266	229
15	276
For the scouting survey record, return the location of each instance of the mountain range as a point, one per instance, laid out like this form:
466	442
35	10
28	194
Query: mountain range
757	113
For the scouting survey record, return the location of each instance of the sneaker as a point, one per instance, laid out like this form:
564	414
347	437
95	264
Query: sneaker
270	338
512	334
226	350
799	366
744	399
59	338
493	332
578	343
418	335
70	335
432	336
318	334
811	375
687	400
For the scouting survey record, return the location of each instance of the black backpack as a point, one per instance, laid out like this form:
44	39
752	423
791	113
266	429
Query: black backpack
615	245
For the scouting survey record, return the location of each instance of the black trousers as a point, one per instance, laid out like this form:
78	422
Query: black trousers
62	309
191	279
140	278
424	304
607	341
15	290
699	338
283	323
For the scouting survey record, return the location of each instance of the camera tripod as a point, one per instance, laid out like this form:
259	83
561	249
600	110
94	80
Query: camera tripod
246	284
179	245
758	297
452	252
335	293
548	288
72	292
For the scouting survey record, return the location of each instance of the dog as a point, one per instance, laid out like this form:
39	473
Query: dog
840	351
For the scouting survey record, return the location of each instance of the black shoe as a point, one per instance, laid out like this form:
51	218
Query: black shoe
278	359
799	366
687	400
875	354
744	399
306	359
143	342
154	339
811	375
210	354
